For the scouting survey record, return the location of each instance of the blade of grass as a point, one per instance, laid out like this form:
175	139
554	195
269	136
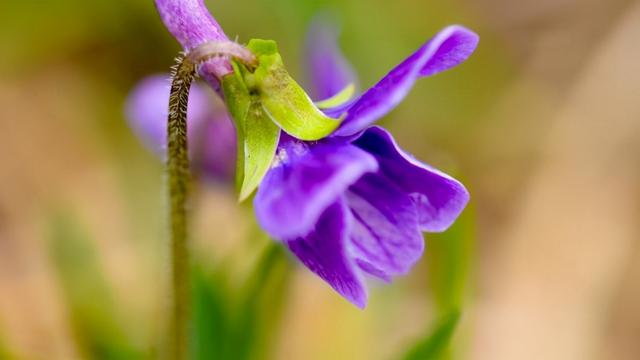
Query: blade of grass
87	294
210	312
261	307
449	262
434	345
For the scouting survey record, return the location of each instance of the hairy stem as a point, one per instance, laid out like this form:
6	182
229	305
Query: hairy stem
178	181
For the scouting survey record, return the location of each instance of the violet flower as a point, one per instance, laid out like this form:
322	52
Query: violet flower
210	130
354	203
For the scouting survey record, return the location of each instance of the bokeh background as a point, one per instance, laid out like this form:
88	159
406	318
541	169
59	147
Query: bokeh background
542	124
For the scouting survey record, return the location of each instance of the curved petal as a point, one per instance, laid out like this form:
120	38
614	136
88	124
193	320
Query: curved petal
217	148
307	179
454	45
190	22
325	253
448	48
146	110
327	69
439	198
385	235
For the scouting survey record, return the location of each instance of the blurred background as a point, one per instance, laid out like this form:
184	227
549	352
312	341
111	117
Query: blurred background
542	124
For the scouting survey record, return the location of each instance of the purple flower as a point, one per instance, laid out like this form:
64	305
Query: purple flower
355	203
212	141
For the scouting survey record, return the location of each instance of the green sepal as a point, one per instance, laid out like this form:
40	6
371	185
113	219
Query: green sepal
284	101
260	144
257	135
237	99
338	99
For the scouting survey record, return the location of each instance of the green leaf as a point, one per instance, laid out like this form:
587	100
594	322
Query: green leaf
285	102
258	136
435	344
338	99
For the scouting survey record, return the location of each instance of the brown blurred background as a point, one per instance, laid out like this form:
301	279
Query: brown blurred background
542	125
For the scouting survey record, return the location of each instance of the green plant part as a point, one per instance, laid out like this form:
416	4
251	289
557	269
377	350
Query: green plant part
338	99
258	136
263	100
286	103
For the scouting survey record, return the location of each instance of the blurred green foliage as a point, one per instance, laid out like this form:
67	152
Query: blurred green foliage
238	326
226	324
435	345
97	327
4	349
449	255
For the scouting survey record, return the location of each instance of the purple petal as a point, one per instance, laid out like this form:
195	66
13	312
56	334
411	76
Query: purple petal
439	198
308	178
216	148
147	108
448	48
385	234
212	140
190	22
327	68
325	253
454	45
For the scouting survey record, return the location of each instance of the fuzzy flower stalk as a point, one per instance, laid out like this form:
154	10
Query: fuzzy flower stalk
333	188
178	170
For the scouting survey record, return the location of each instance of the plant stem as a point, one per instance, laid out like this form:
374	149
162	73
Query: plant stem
178	181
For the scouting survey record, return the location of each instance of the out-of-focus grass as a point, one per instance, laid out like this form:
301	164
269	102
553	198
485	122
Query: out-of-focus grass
240	325
98	329
436	344
211	320
264	299
4	349
449	256
226	323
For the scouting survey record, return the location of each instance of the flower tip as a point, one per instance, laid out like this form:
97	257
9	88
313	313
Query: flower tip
360	303
244	194
450	213
462	29
468	37
358	297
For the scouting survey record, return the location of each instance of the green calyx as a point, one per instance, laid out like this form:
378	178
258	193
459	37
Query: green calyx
262	101
286	103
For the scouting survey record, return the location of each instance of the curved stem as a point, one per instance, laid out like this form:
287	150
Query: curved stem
178	181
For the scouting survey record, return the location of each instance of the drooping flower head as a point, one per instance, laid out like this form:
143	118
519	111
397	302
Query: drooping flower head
355	203
338	192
